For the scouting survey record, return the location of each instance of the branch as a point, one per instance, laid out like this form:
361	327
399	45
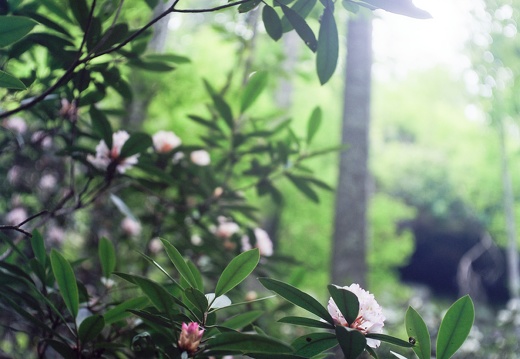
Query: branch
194	11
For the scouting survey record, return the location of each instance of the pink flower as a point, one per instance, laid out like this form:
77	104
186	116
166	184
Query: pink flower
15	124
190	337
165	141
200	158
105	156
370	318
131	227
263	242
16	216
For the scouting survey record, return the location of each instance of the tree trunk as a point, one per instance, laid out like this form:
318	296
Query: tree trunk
350	224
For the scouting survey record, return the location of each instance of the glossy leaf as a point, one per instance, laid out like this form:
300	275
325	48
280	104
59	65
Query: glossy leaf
302	8
63	349
180	264
297	297
197	298
455	327
246	343
137	143
416	328
313	344
81	11
313	124
10	82
248	6
351	341
101	125
196	275
14	28
38	247
347	302
157	294
107	256
328	45
390	339
241	320
90	328
66	282
272	23
237	270
120	311
306	322
255	86
301	27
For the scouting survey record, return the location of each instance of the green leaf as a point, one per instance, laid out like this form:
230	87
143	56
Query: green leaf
119	312
313	344
241	320
107	256
246	343
137	143
455	327
272	23
313	124
197	298
101	125
328	45
390	339
302	8
157	294
306	322
154	66
81	11
297	297
179	263
303	186
61	348
351	341
237	270
38	247
301	27
169	57
223	109
255	86
10	82
347	302
416	328
14	28
196	275
66	282
90	328
248	6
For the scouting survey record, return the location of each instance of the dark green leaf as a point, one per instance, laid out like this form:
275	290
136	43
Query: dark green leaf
303	8
179	263
157	294
301	27
63	349
272	23
38	247
154	66
196	275
13	28
119	312
107	257
313	344
390	339
81	11
137	143
115	35
297	297
248	6
90	328
313	124
241	320
224	110
169	57
66	282
197	298
347	302
237	270
416	328
255	86
208	123
246	343
302	184
152	318
351	341
10	82
101	125
455	327
306	322
328	45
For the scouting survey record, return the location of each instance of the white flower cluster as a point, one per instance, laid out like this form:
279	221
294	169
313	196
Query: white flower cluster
370	318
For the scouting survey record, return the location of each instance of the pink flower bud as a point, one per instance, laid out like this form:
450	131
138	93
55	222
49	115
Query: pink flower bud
190	337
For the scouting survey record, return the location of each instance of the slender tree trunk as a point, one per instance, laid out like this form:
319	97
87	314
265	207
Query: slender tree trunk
509	212
350	224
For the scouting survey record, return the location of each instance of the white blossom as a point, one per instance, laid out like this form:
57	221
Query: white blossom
165	141
226	228
16	216
15	124
130	226
263	242
105	156
200	158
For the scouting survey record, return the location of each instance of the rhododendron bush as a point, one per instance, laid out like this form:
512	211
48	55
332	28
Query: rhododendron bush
116	242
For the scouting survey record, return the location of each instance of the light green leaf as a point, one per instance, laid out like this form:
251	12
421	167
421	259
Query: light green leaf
313	124
66	282
10	82
347	302
255	86
107	256
313	344
328	45
455	327
237	270
14	28
90	328
38	247
196	275
179	263
297	297
301	7
351	341
416	328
